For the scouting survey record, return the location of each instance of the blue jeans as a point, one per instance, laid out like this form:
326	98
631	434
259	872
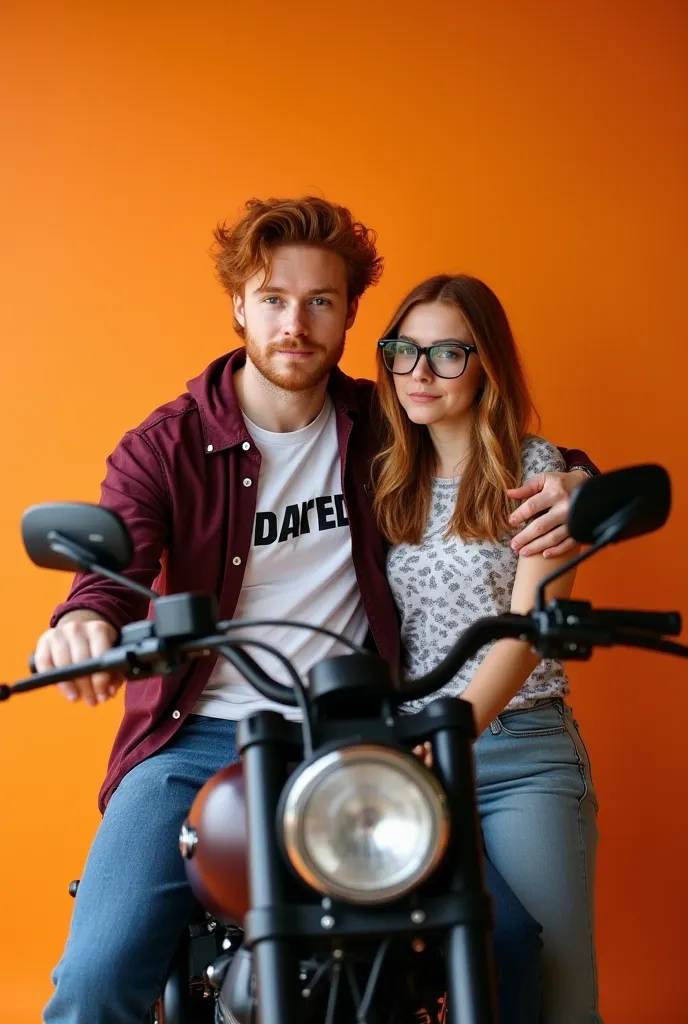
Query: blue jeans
134	901
538	813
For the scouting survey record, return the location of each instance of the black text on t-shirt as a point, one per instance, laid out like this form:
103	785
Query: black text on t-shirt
328	511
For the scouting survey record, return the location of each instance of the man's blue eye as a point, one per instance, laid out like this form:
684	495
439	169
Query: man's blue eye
271	299
320	301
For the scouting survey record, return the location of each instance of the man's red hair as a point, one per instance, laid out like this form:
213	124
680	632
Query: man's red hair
246	247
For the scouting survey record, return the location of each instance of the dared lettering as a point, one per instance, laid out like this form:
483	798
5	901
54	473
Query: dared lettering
342	518
330	511
290	523
306	506
266	528
325	509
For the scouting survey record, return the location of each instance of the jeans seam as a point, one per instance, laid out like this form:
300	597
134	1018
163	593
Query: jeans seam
533	732
581	838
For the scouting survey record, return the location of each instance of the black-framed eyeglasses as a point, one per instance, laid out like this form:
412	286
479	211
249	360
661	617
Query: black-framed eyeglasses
445	358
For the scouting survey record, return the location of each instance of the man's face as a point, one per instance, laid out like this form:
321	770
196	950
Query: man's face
296	320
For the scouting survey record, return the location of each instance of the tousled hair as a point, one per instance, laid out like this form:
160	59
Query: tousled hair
247	246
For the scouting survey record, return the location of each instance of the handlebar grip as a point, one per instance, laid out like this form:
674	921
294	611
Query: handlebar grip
661	623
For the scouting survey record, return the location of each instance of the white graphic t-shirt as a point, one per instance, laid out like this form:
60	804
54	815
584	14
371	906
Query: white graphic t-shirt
299	565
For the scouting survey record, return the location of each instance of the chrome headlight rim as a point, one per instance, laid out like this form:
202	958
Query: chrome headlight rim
303	783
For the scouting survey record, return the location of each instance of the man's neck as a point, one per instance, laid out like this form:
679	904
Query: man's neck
271	407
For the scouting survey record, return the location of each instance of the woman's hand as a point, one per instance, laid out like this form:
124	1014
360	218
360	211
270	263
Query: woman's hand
546	496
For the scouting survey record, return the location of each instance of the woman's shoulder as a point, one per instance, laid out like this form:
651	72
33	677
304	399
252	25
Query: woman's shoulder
540	456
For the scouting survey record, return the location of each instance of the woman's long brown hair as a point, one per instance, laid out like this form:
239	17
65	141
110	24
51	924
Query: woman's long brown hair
404	468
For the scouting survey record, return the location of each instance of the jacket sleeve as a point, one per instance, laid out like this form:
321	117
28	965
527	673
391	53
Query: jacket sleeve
576	457
135	488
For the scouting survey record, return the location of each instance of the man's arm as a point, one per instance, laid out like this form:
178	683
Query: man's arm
547	496
577	459
134	488
88	622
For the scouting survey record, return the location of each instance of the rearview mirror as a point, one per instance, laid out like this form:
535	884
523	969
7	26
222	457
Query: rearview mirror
619	505
72	535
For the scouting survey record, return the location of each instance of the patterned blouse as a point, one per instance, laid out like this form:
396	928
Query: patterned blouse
444	584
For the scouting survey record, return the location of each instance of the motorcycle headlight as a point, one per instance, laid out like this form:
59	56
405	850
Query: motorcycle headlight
365	823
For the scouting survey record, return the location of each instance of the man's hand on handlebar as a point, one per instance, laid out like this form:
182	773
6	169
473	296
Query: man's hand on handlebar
78	636
424	752
546	496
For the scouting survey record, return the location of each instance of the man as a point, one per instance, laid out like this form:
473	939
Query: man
255	486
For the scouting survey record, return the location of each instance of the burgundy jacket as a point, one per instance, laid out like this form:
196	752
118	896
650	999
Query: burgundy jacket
184	482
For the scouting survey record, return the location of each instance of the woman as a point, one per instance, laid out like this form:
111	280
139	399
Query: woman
457	408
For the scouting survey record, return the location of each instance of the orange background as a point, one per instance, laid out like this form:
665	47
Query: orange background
541	146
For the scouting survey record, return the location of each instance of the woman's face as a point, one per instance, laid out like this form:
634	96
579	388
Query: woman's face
426	398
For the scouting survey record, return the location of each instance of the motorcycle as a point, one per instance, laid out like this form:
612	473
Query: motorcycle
343	875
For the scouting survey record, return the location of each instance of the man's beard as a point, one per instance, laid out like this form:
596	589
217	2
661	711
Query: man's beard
297	378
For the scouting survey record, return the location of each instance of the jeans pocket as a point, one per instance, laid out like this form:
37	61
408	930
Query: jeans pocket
544	719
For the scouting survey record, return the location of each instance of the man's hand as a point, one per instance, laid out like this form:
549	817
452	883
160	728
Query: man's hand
79	635
546	496
424	753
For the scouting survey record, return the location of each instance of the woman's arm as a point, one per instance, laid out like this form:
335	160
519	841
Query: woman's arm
507	666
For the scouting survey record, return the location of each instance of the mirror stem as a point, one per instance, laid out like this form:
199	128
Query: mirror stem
62	545
582	557
614	527
129	584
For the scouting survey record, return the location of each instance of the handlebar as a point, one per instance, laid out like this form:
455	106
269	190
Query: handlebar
566	629
477	635
150	657
661	623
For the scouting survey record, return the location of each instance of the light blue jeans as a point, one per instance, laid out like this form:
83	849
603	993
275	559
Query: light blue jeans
133	902
538	813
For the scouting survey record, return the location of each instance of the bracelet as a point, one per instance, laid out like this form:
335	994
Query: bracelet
585	469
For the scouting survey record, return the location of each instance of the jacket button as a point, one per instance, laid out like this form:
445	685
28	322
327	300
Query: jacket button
246	446
176	714
236	560
209	448
247	481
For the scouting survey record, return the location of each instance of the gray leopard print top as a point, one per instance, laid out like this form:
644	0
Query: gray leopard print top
444	584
